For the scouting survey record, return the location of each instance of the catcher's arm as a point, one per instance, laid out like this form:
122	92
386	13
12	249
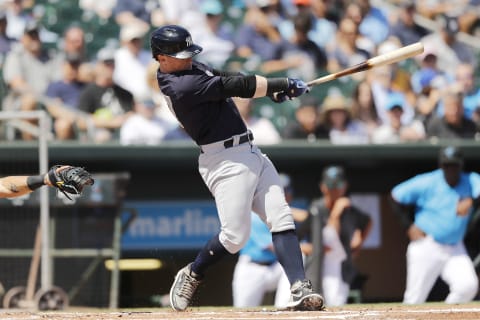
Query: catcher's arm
66	178
16	186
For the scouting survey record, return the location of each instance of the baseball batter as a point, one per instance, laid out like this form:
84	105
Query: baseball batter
238	175
442	201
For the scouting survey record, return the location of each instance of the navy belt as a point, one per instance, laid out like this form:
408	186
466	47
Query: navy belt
263	263
245	138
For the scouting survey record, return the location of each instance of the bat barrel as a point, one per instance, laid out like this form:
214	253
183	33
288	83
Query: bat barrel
396	55
381	60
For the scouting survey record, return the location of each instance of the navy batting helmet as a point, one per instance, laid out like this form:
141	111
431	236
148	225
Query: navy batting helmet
173	41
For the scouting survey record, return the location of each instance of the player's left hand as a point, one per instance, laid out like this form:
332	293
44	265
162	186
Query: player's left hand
279	97
69	180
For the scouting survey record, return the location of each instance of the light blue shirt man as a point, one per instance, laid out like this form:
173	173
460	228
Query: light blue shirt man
258	246
436	203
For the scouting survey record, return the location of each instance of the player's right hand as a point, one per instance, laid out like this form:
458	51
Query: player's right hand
296	88
415	233
339	206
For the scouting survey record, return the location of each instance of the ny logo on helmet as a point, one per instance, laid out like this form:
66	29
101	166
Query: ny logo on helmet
189	41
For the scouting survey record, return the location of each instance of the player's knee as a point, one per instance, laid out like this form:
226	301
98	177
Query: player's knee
233	243
470	291
463	292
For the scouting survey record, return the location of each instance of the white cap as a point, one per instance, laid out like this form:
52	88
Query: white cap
132	31
106	54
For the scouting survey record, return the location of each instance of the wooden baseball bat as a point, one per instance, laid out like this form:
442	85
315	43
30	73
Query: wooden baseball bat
381	60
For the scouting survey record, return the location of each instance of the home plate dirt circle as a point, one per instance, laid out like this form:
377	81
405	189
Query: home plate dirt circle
354	312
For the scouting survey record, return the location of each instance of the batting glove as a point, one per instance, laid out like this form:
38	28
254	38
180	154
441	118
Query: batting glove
296	88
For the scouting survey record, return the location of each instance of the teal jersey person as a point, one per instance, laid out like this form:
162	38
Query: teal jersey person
258	271
436	208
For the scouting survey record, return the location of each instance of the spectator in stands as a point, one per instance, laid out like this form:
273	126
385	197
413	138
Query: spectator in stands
400	71
453	124
381	80
344	52
173	11
6	42
131	61
139	12
394	131
337	124
28	68
364	108
405	29
354	11
428	95
275	11
302	23
215	13
465	9
63	98
143	127
206	26
103	8
306	121
259	41
427	72
27	71
17	17
431	9
465	79
263	129
427	83
108	104
449	51
323	30
374	24
73	43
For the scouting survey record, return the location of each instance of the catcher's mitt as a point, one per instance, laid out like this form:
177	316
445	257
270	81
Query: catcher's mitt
69	180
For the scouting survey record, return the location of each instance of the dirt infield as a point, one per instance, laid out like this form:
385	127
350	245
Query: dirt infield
355	312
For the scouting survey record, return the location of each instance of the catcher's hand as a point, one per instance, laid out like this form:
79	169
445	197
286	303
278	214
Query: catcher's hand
69	180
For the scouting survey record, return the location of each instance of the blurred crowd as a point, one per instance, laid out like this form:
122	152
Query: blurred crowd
88	64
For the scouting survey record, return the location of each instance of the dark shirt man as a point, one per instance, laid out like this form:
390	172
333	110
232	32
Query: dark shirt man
453	124
344	229
405	29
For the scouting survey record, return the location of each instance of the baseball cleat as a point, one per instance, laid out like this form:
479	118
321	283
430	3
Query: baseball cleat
183	288
303	298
